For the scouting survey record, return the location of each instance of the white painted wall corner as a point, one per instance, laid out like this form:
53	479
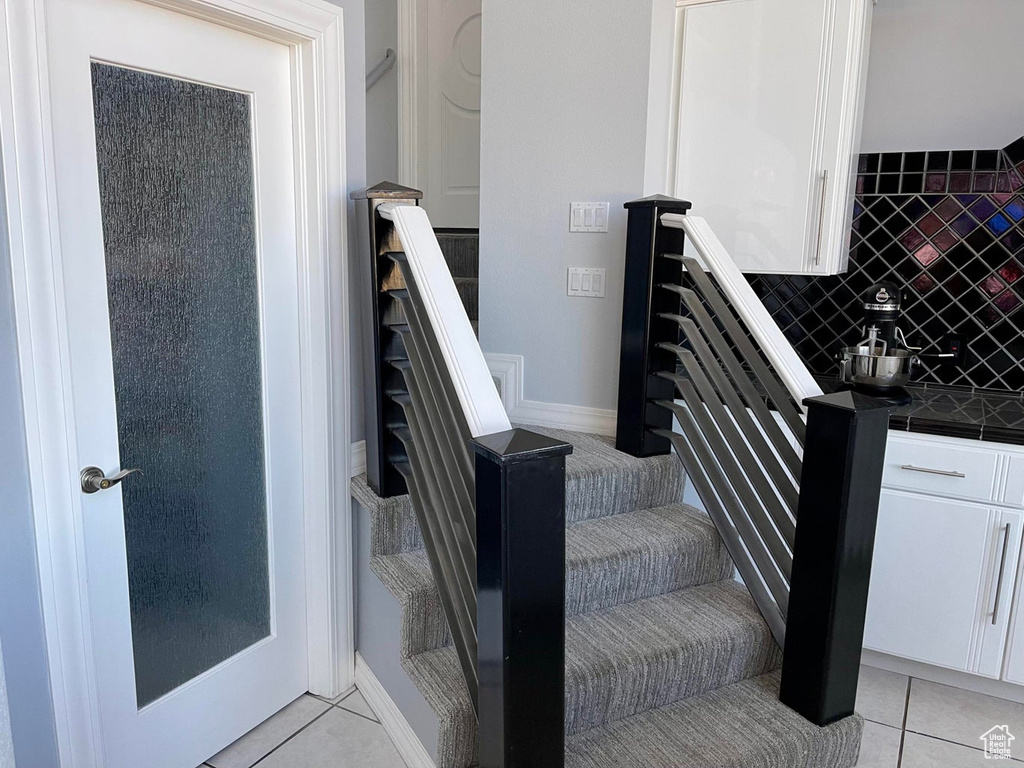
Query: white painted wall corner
357	461
508	371
398	729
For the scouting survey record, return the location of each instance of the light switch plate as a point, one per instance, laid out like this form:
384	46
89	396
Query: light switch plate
588	217
585	281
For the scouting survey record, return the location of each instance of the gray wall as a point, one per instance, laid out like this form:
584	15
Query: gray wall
378	636
21	618
564	118
943	75
382	99
6	743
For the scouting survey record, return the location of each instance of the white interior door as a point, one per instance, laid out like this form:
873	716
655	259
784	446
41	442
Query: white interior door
175	179
449	151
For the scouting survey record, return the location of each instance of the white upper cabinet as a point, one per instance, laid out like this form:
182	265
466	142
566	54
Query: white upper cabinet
769	126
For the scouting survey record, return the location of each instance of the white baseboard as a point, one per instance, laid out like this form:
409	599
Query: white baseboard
575	417
358	458
508	370
398	729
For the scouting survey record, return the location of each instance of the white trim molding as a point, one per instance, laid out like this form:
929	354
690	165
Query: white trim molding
508	369
357	462
315	31
398	729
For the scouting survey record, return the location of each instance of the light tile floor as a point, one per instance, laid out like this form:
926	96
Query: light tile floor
913	723
314	733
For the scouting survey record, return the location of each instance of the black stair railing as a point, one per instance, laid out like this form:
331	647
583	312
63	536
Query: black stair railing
489	499
790	477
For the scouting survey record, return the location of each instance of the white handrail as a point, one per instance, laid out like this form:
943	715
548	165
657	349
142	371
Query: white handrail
463	357
752	312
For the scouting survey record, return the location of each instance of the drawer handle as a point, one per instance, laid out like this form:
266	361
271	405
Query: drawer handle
1002	571
943	472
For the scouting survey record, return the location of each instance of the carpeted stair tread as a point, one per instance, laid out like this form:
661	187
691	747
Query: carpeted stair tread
609	561
600	482
645	654
438	677
627	659
407	576
633	555
739	726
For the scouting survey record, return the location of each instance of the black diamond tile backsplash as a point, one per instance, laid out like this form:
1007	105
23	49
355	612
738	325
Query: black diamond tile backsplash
948	227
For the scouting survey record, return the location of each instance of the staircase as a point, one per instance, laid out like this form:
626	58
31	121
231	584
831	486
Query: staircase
558	604
668	661
461	249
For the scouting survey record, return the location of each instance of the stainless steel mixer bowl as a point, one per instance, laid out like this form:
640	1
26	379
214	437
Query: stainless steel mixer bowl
863	365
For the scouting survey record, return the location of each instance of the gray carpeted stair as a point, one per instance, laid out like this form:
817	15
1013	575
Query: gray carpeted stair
668	662
461	249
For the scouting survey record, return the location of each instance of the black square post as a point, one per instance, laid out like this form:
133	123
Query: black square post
642	330
381	344
840	487
520	507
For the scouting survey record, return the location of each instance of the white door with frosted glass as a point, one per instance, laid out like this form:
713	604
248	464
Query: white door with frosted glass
175	188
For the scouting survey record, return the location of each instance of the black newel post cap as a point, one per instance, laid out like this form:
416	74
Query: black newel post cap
387	190
664	202
849	401
517	445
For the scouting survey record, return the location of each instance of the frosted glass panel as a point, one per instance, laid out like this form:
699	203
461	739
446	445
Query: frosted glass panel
176	192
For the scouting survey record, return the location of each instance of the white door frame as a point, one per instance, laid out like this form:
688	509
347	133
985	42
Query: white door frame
314	30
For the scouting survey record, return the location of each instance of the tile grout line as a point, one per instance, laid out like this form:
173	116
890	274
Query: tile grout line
329	708
350	712
954	743
357	714
903	727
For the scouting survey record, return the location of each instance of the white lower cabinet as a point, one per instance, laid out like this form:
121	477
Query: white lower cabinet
942	583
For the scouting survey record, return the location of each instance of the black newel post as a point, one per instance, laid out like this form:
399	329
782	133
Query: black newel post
520	507
642	329
379	275
835	535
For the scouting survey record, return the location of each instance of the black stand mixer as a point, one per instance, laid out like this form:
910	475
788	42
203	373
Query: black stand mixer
880	364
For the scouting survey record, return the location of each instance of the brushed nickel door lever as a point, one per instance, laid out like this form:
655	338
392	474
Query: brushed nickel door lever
94	480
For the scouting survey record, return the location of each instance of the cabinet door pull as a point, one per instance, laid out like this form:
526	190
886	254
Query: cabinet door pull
821	216
943	472
1002	571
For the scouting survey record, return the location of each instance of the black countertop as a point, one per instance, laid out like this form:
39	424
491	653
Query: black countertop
973	414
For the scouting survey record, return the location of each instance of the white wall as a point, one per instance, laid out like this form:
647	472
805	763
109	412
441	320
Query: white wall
382	99
564	118
944	74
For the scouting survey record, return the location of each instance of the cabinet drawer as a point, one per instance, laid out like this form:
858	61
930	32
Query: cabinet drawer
964	472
